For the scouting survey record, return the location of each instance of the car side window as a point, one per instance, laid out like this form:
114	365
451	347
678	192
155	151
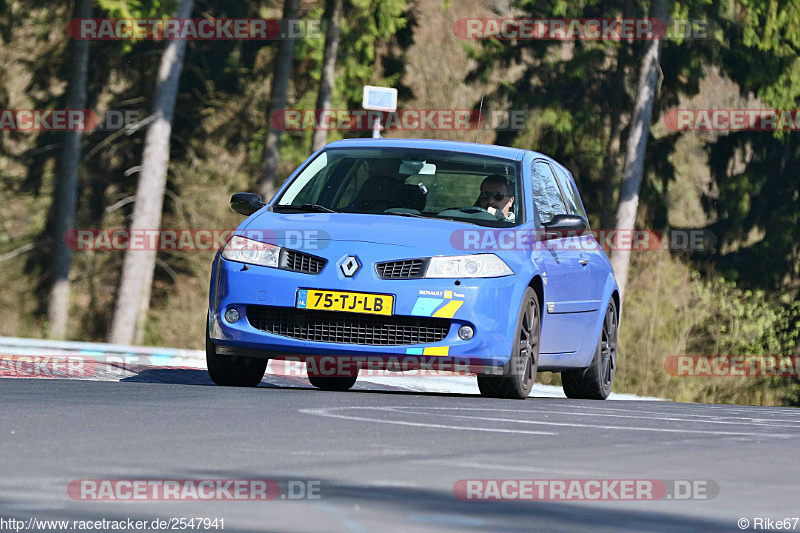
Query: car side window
546	194
570	193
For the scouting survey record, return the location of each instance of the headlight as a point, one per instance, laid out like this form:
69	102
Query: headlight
250	251
467	266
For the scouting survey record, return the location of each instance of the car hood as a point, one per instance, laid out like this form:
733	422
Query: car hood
284	229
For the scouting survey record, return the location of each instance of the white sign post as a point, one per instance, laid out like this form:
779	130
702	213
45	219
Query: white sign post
379	99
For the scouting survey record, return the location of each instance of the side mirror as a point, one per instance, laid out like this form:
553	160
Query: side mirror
246	203
561	225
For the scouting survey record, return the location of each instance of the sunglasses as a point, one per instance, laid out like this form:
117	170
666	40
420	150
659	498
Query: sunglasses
496	195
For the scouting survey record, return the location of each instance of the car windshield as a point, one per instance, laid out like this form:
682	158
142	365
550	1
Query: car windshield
409	182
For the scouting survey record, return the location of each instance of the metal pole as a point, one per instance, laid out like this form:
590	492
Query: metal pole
376	128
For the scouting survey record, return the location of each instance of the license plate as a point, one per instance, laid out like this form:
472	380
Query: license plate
349	302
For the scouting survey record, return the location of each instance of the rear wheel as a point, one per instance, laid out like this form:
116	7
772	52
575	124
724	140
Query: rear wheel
595	381
519	373
233	370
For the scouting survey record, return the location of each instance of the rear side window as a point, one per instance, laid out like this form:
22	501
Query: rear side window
546	194
570	193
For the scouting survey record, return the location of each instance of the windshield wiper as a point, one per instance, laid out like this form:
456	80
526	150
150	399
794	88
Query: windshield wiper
312	208
405	215
432	218
460	220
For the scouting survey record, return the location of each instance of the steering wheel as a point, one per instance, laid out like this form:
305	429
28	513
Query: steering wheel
472	209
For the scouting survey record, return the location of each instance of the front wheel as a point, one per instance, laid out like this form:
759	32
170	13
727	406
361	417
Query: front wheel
519	373
333	383
595	381
233	370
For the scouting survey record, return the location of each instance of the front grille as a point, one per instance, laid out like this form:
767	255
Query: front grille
405	269
347	328
301	262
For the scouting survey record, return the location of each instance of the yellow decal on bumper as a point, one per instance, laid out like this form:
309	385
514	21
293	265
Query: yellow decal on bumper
441	351
449	309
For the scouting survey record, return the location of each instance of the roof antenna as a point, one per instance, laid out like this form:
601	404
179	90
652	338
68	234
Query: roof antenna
480	115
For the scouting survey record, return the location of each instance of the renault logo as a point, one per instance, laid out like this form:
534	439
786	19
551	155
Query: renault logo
350	266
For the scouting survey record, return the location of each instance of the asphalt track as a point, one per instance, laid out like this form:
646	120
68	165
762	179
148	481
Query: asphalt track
385	460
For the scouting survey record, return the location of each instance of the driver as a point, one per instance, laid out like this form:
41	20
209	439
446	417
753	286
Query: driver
496	196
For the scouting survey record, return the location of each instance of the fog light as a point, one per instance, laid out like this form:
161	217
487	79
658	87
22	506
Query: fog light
465	332
231	315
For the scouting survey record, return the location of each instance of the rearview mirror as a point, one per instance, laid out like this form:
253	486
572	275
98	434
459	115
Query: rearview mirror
561	225
246	203
417	167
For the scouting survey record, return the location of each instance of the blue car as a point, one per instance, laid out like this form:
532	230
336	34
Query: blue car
416	254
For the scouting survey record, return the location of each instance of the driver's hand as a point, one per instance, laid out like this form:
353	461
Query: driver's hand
496	212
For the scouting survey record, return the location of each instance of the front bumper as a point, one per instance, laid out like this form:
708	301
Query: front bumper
488	305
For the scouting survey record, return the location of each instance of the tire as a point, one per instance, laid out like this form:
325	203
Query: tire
595	381
233	370
333	383
519	373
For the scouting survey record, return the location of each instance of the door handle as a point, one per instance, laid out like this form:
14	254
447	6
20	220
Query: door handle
584	261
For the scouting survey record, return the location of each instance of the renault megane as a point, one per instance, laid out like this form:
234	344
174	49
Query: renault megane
395	250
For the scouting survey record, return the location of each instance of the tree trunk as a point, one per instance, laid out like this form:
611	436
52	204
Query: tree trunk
65	196
133	298
333	11
610	165
278	99
637	146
